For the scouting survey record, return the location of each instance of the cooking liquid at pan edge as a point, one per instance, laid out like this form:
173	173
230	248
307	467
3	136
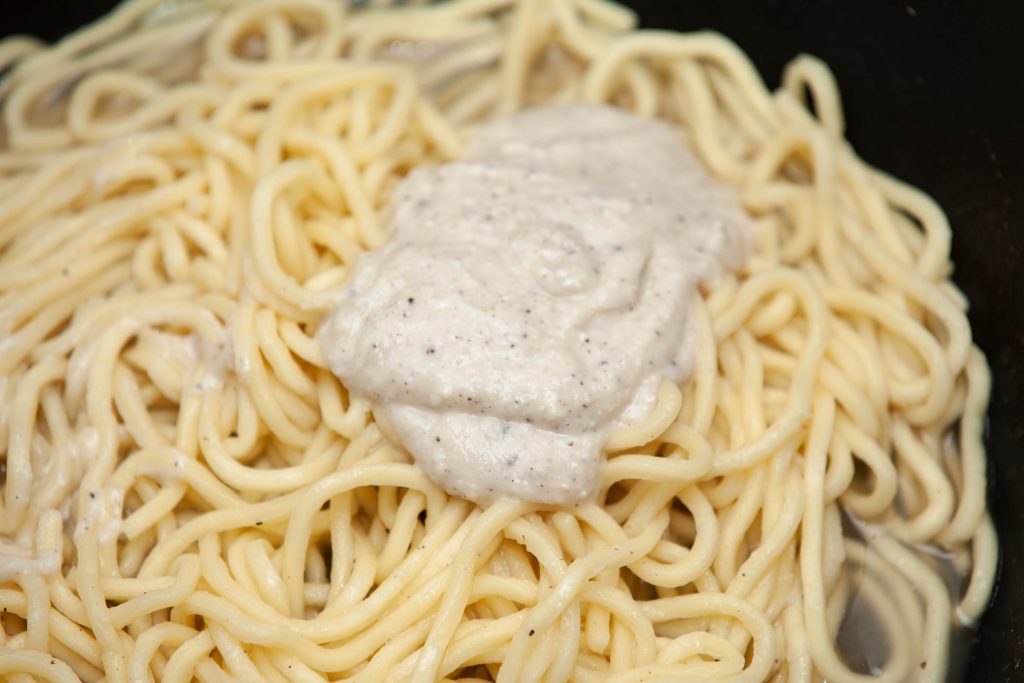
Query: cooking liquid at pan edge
861	640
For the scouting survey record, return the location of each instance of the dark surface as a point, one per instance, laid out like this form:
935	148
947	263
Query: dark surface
933	94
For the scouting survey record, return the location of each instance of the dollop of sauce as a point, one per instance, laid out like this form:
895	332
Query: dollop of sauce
534	296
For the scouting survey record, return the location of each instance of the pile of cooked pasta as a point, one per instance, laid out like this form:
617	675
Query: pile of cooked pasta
189	493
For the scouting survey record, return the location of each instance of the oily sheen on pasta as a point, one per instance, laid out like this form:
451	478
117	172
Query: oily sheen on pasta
190	494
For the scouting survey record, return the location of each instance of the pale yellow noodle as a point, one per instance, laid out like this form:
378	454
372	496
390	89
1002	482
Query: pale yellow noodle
189	494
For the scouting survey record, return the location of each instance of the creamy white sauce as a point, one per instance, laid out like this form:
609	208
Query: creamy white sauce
203	366
533	297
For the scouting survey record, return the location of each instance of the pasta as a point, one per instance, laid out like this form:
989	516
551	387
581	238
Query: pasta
190	494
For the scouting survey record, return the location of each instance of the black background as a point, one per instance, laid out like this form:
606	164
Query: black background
933	94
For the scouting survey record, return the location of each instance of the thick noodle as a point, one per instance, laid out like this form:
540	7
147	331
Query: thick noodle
188	493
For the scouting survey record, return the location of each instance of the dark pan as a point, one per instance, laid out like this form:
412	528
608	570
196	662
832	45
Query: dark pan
933	94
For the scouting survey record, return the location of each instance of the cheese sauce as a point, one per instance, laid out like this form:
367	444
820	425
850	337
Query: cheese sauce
534	296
